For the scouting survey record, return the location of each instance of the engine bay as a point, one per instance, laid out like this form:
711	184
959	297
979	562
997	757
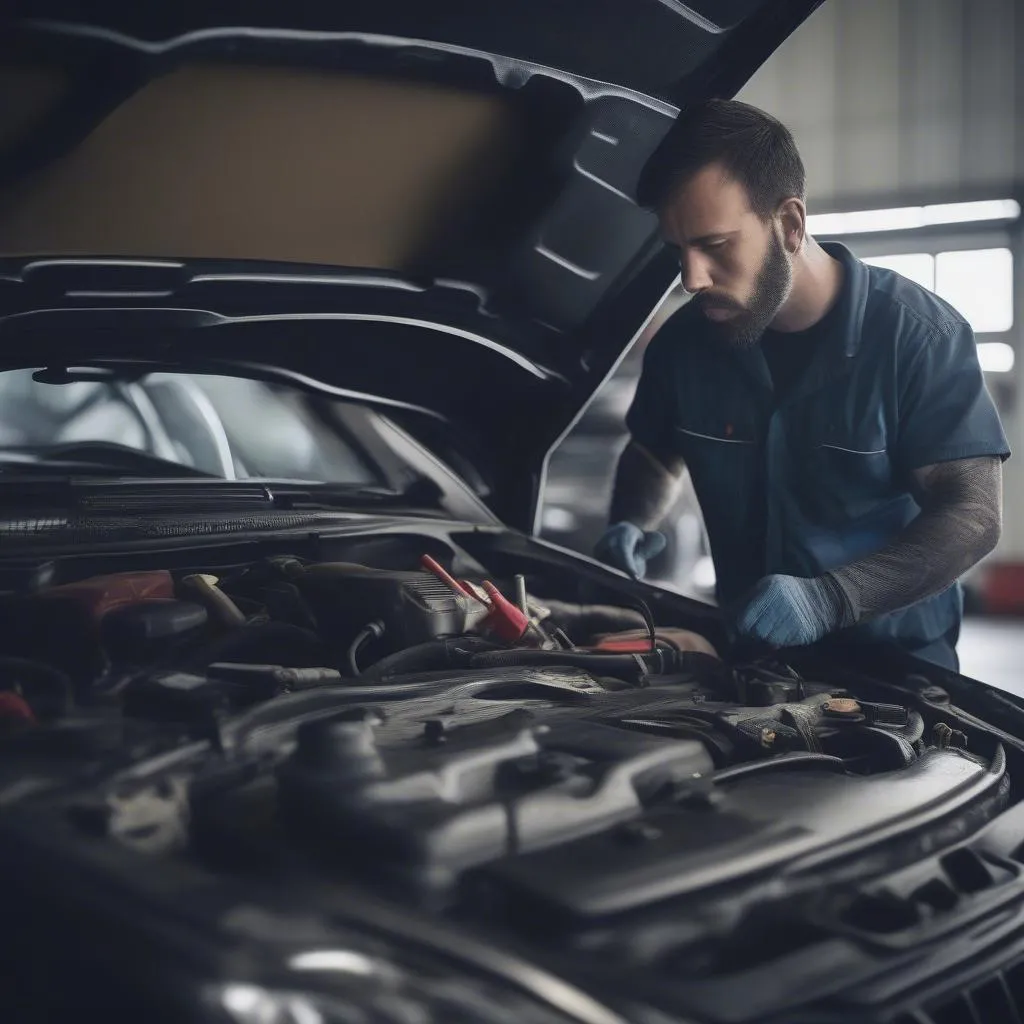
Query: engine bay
520	753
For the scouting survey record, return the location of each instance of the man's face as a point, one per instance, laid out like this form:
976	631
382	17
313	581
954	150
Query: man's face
732	261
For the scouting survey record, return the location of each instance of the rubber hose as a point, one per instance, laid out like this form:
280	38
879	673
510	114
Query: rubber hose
586	620
454	652
204	590
371	631
914	729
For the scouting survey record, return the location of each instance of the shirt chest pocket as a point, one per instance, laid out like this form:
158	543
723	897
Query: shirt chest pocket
844	470
721	454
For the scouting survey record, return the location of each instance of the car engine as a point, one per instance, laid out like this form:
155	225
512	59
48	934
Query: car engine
491	750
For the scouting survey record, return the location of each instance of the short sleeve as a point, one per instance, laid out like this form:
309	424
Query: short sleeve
651	415
945	409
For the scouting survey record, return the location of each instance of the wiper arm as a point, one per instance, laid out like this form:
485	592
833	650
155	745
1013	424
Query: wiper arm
91	458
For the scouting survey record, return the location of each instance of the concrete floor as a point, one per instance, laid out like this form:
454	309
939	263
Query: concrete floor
992	650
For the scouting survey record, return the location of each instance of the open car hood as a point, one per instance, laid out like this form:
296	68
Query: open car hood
423	205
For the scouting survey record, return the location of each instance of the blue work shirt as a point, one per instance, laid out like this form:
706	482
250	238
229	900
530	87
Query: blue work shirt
822	477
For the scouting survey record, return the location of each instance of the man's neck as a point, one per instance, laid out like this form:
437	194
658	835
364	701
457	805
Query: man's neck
817	281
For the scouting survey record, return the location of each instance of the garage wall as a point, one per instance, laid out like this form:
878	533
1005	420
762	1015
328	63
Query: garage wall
890	98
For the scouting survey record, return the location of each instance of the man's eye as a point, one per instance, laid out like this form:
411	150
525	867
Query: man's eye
717	243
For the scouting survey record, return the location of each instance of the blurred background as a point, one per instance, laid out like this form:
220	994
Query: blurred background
909	115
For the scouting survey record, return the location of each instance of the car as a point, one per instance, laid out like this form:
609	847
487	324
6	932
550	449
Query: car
301	719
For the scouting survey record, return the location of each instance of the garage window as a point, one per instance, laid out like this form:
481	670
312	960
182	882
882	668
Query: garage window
918	266
979	283
976	282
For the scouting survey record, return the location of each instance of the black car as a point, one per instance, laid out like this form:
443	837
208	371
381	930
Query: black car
301	721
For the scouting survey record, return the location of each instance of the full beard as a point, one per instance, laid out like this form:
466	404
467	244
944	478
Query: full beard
771	289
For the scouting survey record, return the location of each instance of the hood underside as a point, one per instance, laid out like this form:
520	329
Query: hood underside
413	203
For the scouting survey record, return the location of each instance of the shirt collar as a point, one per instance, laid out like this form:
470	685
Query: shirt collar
833	359
853	298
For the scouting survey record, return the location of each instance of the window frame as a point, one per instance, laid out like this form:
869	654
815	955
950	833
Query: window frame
954	238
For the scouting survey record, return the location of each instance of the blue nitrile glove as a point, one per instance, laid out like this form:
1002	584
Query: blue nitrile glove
625	546
789	611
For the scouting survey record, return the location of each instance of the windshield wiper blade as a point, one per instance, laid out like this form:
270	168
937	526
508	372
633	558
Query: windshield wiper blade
100	458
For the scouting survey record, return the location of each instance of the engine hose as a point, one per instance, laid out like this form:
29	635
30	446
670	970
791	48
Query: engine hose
581	621
632	667
371	631
203	589
434	655
805	720
914	730
894	748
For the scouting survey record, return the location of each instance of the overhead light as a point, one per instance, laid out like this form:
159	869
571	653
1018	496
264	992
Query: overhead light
907	218
964	213
995	356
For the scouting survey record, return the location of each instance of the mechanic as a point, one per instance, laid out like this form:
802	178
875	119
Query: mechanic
833	417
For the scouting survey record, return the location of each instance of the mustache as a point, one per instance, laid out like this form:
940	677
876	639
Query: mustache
707	301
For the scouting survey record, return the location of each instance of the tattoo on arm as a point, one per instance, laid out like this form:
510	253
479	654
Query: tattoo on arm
960	522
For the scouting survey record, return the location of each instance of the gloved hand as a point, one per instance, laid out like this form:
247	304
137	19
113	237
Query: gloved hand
789	611
625	546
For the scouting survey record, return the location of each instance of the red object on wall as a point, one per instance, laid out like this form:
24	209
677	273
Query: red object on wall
1002	588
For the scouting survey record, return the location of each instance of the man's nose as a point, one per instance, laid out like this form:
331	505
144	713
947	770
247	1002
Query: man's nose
694	273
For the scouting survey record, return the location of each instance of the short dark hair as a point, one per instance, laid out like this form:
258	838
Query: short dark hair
755	149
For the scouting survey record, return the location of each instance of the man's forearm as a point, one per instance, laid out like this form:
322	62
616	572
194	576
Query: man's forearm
646	486
960	523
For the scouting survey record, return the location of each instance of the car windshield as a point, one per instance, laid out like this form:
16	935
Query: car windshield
226	427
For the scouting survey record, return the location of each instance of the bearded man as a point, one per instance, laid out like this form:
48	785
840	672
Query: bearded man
833	417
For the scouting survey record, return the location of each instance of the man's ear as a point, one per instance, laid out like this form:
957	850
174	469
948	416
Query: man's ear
792	216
